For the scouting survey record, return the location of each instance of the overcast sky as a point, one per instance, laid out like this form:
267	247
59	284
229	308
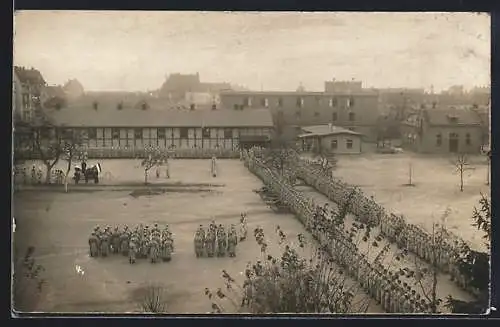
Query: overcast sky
275	51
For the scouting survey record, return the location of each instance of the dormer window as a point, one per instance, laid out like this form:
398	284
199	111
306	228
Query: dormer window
452	119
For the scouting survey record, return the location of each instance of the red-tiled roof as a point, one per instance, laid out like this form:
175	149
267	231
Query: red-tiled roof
80	117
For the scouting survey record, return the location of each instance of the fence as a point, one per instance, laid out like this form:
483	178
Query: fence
128	153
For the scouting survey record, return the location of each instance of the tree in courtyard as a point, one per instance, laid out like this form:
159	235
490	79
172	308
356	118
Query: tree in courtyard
153	158
53	143
293	282
462	165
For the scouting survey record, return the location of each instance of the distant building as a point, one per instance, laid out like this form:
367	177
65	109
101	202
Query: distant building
53	97
355	111
330	139
444	130
343	86
27	88
105	128
73	89
188	87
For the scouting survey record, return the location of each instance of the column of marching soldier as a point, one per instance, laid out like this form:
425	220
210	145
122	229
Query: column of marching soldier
385	286
405	235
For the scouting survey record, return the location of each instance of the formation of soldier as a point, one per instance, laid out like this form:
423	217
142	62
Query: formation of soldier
389	289
142	242
216	240
405	235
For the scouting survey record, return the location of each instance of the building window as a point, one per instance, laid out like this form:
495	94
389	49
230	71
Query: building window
348	144
235	106
332	102
352	116
467	139
350	102
138	133
334	144
92	133
280	102
316	114
115	133
298	114
318	101
300	102
264	102
160	132
439	140
184	132
334	116
247	102
228	133
205	133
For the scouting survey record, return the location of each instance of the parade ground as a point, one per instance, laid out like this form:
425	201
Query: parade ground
436	188
58	225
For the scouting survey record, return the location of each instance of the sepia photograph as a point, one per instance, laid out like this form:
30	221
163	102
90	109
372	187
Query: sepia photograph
197	162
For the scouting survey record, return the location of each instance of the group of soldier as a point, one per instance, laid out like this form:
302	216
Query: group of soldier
218	240
393	294
405	235
141	242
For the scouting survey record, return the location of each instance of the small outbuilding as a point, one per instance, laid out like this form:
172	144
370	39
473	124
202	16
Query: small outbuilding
330	139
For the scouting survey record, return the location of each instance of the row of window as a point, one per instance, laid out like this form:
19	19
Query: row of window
348	144
332	102
453	136
335	117
138	133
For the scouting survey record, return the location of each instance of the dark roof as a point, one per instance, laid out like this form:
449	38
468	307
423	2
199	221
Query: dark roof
89	117
324	130
30	76
291	93
452	117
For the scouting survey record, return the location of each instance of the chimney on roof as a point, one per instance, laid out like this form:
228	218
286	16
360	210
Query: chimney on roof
330	127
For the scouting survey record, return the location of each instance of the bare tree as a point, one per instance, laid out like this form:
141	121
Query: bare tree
153	299
462	165
153	158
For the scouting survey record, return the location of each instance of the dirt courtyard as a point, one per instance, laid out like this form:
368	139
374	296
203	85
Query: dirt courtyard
58	225
437	187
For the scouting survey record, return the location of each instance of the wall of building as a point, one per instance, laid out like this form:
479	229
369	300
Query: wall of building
181	138
313	109
427	140
342	142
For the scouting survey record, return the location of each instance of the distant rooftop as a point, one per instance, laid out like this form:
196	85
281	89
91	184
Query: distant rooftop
324	130
112	117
